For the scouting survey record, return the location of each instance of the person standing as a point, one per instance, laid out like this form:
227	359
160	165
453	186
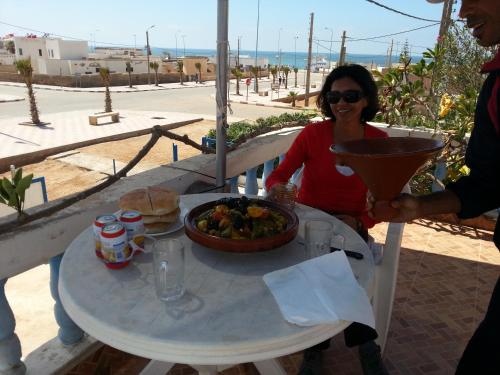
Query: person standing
478	192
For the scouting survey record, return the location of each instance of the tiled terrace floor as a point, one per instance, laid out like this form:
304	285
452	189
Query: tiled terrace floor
446	277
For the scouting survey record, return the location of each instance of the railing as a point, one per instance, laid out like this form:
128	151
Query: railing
45	240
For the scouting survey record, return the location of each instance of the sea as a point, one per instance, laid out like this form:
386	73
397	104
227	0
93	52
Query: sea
291	59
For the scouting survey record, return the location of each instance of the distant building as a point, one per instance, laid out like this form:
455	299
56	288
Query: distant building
246	61
117	52
56	56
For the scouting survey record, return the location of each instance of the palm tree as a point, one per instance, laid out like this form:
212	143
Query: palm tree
26	71
180	70
255	72
129	70
293	95
106	79
238	74
286	70
198	67
274	72
295	70
154	65
10	46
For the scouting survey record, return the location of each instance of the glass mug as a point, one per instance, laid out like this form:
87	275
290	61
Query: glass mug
284	195
318	236
168	265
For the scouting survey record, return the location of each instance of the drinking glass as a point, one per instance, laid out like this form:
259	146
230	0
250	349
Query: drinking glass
284	194
318	235
168	263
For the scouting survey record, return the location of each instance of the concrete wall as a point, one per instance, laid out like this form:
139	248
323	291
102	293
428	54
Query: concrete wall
7	59
71	49
37	242
87	80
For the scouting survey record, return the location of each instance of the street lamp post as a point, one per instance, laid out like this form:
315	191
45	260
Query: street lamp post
295	51
177	32
238	55
148	52
330	55
279	51
184	44
135	43
256	45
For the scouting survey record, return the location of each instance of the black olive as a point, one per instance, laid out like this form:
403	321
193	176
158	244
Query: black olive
222	201
212	224
232	203
237	222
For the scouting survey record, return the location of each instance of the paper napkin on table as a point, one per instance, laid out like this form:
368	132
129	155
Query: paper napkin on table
321	290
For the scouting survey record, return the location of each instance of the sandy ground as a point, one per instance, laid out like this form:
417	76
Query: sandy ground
28	293
63	179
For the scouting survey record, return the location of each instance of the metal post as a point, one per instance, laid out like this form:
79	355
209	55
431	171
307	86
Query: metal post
221	91
147	53
309	55
330	52
257	37
176	46
257	45
295	52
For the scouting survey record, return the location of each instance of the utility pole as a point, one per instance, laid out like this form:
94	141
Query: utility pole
330	54
445	18
342	51
389	55
256	45
148	50
221	92
309	56
238	56
295	52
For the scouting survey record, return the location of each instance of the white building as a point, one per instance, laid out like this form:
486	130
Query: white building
55	56
245	60
50	48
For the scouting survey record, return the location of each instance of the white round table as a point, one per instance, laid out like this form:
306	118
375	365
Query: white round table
227	316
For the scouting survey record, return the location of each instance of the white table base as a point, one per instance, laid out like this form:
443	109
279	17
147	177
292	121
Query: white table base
267	367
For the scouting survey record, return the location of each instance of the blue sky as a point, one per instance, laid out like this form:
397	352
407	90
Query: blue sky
118	21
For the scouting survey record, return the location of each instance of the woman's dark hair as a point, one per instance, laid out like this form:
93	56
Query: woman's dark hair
359	75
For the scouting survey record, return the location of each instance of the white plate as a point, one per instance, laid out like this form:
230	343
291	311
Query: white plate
172	228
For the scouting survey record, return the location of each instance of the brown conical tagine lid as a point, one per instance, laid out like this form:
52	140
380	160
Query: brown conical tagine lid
386	164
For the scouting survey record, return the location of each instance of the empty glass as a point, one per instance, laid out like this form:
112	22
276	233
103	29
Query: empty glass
318	235
284	194
168	264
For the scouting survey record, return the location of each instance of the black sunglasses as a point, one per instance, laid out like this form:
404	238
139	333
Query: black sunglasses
349	96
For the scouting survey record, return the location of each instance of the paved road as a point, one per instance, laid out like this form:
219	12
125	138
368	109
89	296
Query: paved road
188	100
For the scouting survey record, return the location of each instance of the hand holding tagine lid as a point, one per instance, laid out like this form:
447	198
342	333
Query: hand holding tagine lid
385	165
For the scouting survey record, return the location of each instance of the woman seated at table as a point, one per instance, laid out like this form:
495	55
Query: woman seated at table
348	98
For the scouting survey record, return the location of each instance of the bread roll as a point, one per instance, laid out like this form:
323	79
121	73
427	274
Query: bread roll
153	200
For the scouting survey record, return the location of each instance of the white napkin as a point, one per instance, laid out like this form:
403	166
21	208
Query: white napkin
320	291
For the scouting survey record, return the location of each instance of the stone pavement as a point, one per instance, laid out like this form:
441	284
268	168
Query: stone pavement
4	98
67	128
445	280
113	89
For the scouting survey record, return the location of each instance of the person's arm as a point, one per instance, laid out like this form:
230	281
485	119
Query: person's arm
294	158
412	207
